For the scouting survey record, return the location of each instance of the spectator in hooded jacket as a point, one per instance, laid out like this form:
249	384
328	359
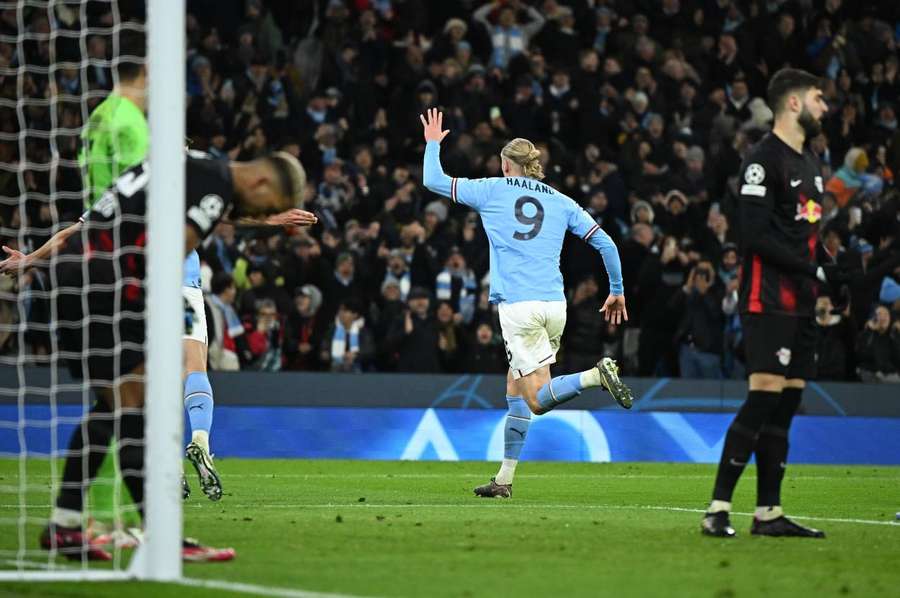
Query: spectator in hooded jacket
303	330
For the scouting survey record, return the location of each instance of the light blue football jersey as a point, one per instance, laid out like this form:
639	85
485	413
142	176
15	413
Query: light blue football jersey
192	270
526	223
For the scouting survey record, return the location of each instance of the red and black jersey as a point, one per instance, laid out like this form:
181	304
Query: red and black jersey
113	236
788	186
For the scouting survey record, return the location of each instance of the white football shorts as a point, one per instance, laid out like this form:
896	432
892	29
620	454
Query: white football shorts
194	298
532	331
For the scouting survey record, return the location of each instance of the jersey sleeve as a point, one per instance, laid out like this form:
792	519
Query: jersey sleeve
469	192
756	179
582	225
208	193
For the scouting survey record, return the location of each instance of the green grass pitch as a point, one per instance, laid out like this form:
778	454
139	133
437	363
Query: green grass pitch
415	529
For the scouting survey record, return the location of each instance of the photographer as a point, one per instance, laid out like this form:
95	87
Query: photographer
700	331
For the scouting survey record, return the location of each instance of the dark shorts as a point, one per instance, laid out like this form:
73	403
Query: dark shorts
780	345
101	339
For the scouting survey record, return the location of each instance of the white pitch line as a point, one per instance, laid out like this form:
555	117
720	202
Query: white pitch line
503	505
532	476
34	565
507	505
246	588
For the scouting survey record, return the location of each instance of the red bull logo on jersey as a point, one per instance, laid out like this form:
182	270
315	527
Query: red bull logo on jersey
808	210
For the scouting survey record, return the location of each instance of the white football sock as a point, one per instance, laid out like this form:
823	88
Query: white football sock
65	517
719	505
768	513
507	471
201	437
590	378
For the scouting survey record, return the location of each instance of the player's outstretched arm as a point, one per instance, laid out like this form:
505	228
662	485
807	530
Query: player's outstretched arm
433	176
19	261
292	217
469	192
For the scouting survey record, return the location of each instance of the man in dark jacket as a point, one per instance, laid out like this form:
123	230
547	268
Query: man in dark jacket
585	327
877	349
485	355
834	342
415	335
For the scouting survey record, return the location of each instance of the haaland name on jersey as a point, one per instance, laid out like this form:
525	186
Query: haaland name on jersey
529	184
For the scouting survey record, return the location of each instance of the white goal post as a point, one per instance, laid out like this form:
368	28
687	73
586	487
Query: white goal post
165	240
159	556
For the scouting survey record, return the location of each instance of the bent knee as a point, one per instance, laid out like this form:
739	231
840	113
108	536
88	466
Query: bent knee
534	405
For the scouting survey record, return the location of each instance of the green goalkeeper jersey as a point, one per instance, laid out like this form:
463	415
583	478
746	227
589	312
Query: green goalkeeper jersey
115	139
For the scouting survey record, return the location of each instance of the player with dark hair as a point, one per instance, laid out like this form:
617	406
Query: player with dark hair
100	274
781	188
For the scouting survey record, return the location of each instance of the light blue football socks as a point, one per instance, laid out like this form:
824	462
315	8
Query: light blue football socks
198	400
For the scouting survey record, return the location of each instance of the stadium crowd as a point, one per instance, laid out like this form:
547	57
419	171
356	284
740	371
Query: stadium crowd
642	109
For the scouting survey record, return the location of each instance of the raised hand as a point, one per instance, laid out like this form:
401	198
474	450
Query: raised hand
433	125
614	309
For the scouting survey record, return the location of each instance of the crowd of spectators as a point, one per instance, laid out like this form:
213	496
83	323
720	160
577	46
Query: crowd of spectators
642	109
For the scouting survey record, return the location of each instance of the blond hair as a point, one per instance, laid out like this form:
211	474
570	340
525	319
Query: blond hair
523	153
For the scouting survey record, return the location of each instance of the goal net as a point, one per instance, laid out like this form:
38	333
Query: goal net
59	61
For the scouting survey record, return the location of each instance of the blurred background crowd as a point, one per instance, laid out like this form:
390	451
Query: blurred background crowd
642	109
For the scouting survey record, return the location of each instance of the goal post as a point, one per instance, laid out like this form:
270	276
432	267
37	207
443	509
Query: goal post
45	102
159	558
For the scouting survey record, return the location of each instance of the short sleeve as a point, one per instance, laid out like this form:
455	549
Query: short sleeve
209	193
470	192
